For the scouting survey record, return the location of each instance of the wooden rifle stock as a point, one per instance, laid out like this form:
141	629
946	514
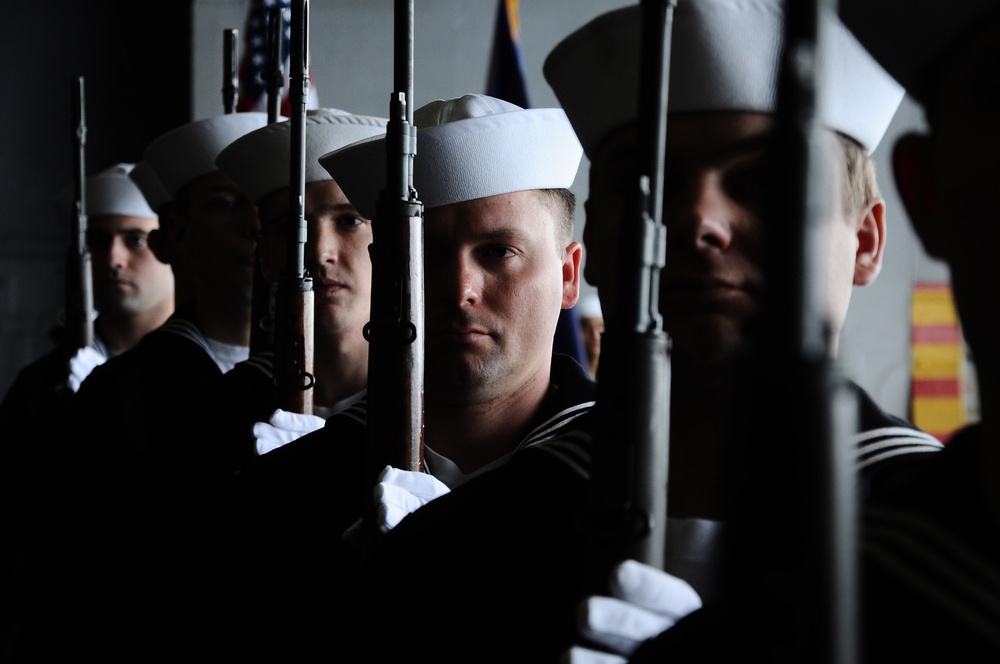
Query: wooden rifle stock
79	305
395	426
791	558
629	474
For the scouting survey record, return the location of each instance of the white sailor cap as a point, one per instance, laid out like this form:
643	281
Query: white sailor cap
725	55
189	151
149	184
109	192
910	36
467	147
260	162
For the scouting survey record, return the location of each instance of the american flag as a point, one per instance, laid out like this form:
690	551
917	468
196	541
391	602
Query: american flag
253	62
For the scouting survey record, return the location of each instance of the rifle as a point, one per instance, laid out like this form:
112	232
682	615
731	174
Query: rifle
79	306
274	76
791	551
294	297
263	305
230	74
628	507
395	425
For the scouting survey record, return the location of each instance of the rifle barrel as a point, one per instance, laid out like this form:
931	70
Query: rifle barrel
293	368
79	306
230	69
395	332
275	61
630	467
264	303
800	500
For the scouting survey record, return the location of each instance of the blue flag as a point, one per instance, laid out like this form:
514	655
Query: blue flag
506	81
506	76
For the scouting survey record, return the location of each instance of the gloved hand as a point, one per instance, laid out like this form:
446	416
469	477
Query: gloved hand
81	364
397	493
283	427
400	492
581	655
644	601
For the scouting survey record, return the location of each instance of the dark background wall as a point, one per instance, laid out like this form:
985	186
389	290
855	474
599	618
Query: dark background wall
135	58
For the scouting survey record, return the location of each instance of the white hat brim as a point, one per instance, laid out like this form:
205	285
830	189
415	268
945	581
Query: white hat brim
506	150
725	55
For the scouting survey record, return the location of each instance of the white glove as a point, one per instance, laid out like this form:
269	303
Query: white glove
80	365
581	655
400	492
644	601
284	427
397	493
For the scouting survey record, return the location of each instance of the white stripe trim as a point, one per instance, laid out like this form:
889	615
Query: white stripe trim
888	454
554	424
937	565
894	432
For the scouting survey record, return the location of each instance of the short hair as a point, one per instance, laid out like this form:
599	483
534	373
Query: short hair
861	182
563	204
860	176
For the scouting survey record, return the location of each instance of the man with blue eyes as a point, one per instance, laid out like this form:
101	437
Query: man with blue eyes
336	258
500	263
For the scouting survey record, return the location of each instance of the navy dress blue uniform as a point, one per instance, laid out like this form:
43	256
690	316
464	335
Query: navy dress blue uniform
39	390
133	500
488	164
500	563
931	592
293	503
245	395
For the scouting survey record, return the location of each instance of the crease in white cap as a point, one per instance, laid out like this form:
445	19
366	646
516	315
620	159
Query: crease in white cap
260	162
109	192
467	147
189	151
725	56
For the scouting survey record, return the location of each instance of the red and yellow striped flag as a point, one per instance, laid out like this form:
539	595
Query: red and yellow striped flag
937	378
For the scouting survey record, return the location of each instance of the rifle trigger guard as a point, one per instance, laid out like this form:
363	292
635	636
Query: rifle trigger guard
411	335
307	382
310	380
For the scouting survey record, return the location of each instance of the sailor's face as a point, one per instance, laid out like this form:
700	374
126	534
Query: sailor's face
713	197
496	279
128	277
221	236
335	254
